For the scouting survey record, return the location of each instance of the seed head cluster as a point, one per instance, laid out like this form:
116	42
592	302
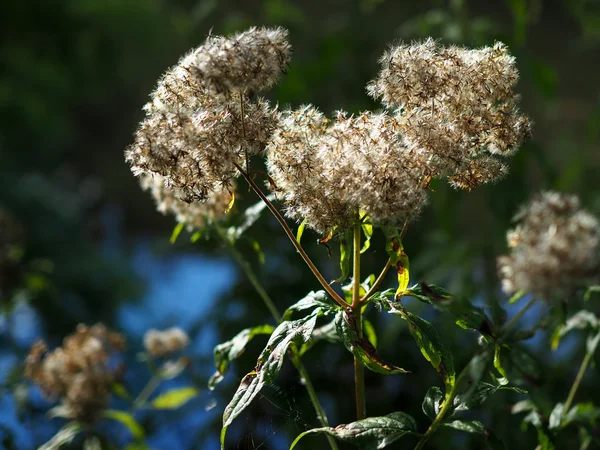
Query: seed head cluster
166	342
79	373
193	215
201	122
450	113
554	248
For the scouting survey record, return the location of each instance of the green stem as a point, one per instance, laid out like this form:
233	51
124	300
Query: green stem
359	370
517	316
312	393
146	393
573	391
448	401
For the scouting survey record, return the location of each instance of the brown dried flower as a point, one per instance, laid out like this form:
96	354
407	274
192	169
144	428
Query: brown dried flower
78	373
554	248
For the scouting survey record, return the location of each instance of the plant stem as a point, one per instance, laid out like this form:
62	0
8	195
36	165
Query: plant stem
292	238
377	282
242	112
517	316
146	392
573	391
275	313
359	370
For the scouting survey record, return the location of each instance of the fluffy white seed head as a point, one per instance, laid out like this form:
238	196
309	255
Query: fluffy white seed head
248	61
554	248
163	343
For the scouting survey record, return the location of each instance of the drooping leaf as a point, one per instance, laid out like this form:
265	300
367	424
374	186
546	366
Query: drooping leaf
467	316
345	255
176	232
398	261
582	320
300	231
371	433
432	402
498	361
230	350
430	344
480	394
326	333
174	398
475	426
126	419
360	346
268	365
63	437
319	300
367	230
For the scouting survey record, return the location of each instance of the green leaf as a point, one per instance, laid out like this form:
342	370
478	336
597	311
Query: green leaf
582	413
126	419
268	365
467	316
195	237
556	415
544	441
367	229
498	362
326	333
230	350
120	391
319	300
174	398
432	402
475	426
516	297
176	232
345	255
369	331
525	364
360	346
256	247
480	394
63	437
591	290
398	260
371	433
430	344
300	231
582	320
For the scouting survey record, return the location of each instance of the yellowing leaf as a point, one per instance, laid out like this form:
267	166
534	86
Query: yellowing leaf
399	261
231	202
174	398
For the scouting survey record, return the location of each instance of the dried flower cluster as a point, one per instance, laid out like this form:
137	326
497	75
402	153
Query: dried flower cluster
194	215
79	373
329	171
166	342
554	248
452	113
201	121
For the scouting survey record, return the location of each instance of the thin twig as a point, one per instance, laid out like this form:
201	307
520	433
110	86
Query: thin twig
292	238
359	370
377	282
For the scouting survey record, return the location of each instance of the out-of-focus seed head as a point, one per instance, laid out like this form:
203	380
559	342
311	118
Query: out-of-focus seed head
163	343
554	248
79	373
248	61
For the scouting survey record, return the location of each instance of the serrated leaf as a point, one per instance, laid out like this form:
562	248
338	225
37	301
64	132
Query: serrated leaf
432	402
467	316
581	320
300	231
268	365
360	346
176	232
174	398
230	350
345	256
126	419
371	433
367	230
430	344
63	437
398	260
